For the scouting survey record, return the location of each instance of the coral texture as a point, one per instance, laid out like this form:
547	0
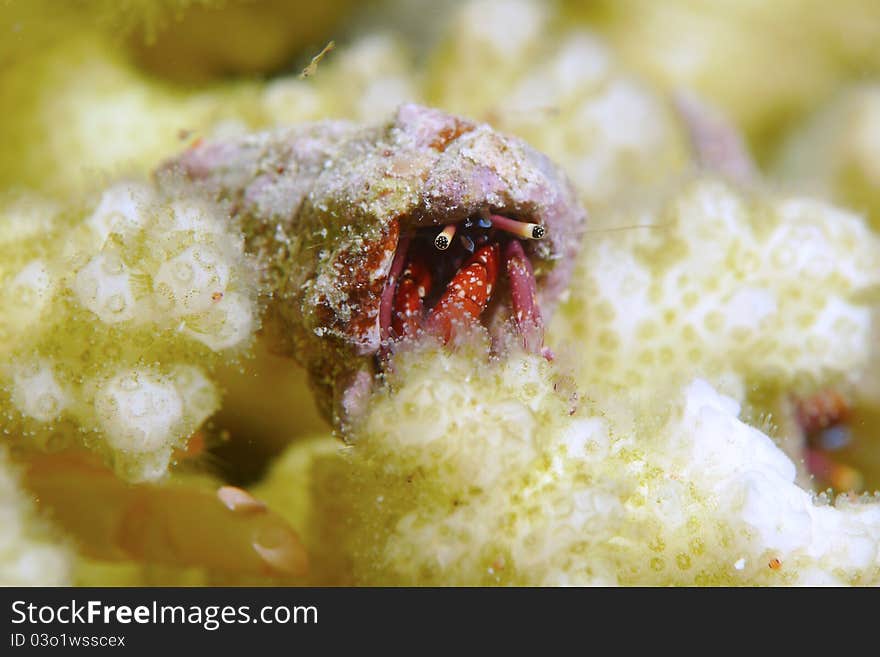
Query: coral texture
30	553
496	475
836	152
659	439
749	58
590	470
746	289
568	97
110	317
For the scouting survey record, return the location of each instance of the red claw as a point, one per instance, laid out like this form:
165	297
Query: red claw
467	294
825	418
409	304
406	298
821	410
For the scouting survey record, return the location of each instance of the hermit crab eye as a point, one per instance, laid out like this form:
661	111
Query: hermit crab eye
520	229
444	239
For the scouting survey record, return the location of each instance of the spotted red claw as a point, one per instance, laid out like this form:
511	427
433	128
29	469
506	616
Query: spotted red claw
332	208
409	300
466	296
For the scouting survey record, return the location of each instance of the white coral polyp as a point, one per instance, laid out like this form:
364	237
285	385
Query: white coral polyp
753	481
769	290
28	554
670	489
507	427
515	22
139	411
104	287
123	208
36	392
227	324
33	282
191	215
30	292
199	394
192	281
151	275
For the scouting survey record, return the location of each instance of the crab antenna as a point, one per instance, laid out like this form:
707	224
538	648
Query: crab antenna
521	229
444	238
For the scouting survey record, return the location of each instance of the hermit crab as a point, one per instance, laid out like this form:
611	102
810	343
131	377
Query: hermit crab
371	236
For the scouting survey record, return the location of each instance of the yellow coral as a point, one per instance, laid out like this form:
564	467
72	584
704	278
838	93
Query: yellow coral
80	115
567	95
30	553
498	475
305	487
837	152
750	58
614	464
742	288
111	317
366	81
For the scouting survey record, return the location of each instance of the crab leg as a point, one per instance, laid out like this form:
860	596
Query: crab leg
523	292
824	420
467	294
409	305
386	303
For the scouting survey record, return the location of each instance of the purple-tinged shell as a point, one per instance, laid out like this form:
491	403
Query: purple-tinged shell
323	205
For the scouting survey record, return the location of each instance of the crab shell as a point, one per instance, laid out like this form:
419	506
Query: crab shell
323	205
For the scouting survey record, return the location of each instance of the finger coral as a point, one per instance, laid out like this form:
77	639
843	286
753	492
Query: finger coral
496	475
836	153
31	554
749	289
763	62
110	317
566	96
116	121
515	395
